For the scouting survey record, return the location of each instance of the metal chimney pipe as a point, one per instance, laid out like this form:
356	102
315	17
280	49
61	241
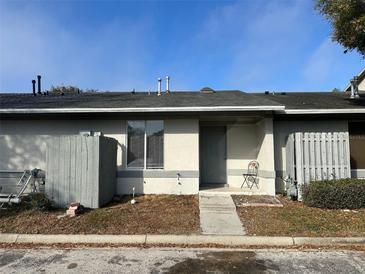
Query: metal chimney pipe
33	84
39	84
354	88
167	84
158	86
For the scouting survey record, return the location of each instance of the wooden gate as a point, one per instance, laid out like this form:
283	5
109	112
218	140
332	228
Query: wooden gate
317	156
81	169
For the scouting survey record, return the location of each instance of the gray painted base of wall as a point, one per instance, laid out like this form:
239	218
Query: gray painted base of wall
270	174
158	173
358	173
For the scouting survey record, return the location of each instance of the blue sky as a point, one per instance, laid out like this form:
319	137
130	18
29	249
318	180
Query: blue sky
119	45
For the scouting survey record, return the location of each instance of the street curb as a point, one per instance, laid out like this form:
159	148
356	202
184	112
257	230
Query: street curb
148	239
329	241
225	240
76	239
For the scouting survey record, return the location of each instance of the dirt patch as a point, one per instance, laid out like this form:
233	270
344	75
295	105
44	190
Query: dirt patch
224	262
69	246
152	214
256	200
297	219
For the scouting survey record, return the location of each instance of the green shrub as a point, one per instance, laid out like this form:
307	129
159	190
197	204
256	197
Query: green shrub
37	201
335	194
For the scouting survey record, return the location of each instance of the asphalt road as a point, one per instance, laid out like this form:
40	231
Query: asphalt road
164	260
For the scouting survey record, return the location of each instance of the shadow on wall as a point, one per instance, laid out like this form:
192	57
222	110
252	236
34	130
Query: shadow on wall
357	148
126	185
19	152
137	180
245	142
261	132
121	156
282	129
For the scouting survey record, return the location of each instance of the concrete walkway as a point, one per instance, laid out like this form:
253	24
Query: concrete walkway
218	215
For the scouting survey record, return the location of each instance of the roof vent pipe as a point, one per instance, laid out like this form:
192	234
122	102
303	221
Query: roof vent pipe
167	84
39	84
158	86
33	84
354	88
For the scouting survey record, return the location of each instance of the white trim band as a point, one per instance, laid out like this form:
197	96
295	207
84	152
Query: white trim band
148	109
324	111
280	109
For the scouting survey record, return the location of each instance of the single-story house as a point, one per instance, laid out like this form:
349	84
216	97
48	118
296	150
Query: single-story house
178	142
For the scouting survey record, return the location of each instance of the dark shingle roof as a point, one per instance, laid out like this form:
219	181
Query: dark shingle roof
233	98
130	100
315	100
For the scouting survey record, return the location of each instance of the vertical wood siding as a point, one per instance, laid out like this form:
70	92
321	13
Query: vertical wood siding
74	171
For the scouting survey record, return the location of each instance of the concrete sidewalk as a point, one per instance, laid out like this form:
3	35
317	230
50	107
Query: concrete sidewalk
218	215
223	240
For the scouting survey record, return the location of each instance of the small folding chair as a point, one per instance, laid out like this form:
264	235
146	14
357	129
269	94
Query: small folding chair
250	178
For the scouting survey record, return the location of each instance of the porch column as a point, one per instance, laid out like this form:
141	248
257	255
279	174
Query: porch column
266	156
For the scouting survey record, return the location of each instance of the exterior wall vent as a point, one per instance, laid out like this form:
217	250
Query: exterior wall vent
33	84
167	84
354	87
207	90
158	86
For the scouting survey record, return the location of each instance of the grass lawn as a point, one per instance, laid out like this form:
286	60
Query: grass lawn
296	219
153	214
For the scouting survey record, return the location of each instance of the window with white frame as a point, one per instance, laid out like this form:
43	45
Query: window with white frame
145	144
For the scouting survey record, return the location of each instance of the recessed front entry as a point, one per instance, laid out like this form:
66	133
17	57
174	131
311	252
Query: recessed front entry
213	168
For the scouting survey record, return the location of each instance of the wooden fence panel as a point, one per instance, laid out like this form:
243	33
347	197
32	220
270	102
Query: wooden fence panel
290	168
318	156
306	157
317	151
312	157
324	165
340	158
298	139
329	155
347	153
335	156
73	170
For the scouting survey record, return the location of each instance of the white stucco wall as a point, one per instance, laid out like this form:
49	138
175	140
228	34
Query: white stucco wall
148	185
23	146
23	142
181	144
242	145
266	155
247	142
283	128
181	155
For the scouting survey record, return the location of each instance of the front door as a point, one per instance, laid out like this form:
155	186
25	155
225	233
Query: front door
213	155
